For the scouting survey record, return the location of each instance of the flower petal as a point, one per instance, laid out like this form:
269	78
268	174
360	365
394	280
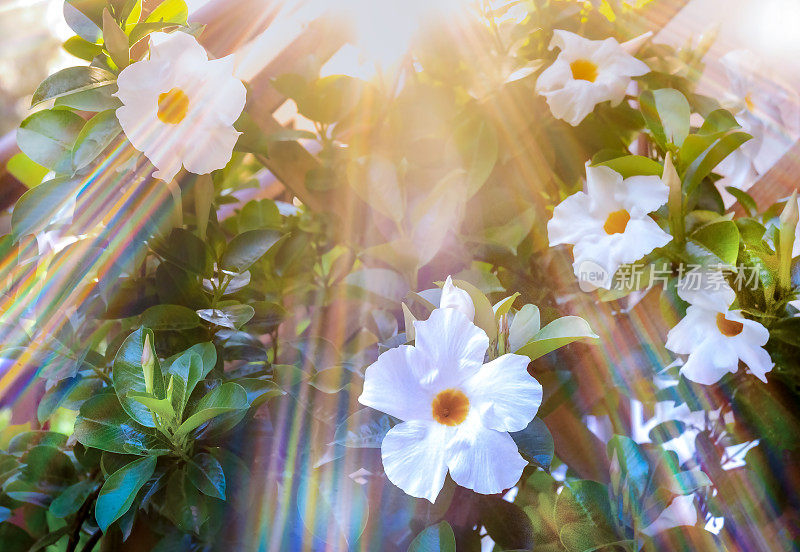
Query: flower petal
643	194
413	456
454	345
710	361
211	149
484	460
179	48
456	298
392	384
504	394
572	221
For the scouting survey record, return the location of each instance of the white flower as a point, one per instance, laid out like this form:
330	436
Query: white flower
586	73
609	224
716	338
766	108
179	107
456	298
456	410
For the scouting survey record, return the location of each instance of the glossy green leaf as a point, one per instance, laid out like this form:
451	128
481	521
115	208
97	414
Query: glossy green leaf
231	316
227	397
47	137
535	443
128	376
170	11
71	81
120	490
720	239
71	499
524	326
248	247
95	136
436	538
634	165
666	113
103	424
556	334
170	317
39	206
206	473
26	170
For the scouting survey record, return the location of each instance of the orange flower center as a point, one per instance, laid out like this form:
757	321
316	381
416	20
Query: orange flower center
617	222
172	106
450	407
727	327
748	100
583	69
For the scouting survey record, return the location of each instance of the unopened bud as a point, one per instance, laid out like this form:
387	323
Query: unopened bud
788	231
148	364
673	181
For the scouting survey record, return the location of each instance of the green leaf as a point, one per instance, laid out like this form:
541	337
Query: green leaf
705	162
170	11
184	249
205	472
81	48
744	199
128	376
120	490
26	170
170	317
666	431
248	247
507	524
666	113
719	238
14	539
556	334
95	136
186	371
634	165
484	314
502	307
71	499
47	138
585	500
144	29
631	461
257	215
94	100
70	81
476	139
535	443
161	407
228	397
230	316
40	205
524	326
115	41
436	538
683	483
103	424
85	17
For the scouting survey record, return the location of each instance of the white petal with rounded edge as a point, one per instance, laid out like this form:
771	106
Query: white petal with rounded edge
605	189
504	394
455	348
140	83
413	455
691	331
456	298
643	194
181	49
710	361
757	359
572	221
391	384
484	460
641	236
707	289
211	149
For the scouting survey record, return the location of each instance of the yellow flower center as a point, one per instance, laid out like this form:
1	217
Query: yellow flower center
727	327
450	407
617	222
172	106
583	69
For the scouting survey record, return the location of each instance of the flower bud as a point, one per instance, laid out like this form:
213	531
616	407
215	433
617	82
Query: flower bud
788	230
673	181
148	364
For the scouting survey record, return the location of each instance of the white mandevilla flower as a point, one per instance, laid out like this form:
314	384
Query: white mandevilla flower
586	73
609	224
178	107
456	410
715	337
456	298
